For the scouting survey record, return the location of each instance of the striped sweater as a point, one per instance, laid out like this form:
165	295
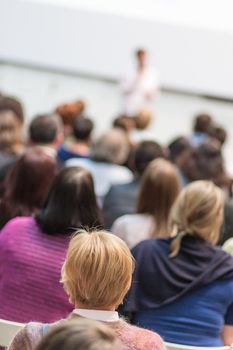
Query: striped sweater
30	265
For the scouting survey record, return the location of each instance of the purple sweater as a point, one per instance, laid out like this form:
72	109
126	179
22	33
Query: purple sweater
30	265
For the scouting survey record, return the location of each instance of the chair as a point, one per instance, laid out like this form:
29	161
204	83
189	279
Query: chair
171	346
8	330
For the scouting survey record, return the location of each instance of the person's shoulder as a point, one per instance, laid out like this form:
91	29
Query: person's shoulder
151	244
144	338
27	337
17	222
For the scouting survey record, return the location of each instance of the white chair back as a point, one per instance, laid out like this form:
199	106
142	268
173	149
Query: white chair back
8	330
171	346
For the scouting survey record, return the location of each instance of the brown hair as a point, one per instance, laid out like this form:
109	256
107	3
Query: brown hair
98	269
159	189
81	334
198	211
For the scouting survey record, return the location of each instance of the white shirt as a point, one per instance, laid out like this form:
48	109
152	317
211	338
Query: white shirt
98	315
133	228
136	87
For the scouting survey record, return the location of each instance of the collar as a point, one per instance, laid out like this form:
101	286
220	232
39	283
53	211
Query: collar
98	315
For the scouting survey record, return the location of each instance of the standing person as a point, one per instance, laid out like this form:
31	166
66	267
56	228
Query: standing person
140	87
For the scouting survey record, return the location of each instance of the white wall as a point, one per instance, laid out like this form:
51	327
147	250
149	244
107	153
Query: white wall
196	58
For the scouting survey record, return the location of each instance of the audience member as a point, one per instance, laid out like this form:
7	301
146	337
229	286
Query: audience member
68	112
202	129
26	185
108	153
180	151
81	334
121	198
96	275
191	305
158	190
32	250
46	132
77	145
11	133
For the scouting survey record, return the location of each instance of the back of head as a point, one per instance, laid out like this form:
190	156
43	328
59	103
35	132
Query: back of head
45	128
82	128
144	153
178	147
111	147
208	164
159	189
202	123
69	111
83	334
71	203
27	184
143	119
198	211
98	270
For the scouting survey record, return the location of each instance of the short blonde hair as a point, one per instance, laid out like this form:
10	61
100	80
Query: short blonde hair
97	272
198	211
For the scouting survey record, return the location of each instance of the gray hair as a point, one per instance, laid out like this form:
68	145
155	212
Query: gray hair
111	147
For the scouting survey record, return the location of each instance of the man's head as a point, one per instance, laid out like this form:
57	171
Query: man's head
46	129
141	57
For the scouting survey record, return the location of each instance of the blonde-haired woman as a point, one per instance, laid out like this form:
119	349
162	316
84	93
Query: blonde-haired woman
183	286
158	190
96	275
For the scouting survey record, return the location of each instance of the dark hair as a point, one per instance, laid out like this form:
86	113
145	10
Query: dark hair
81	334
158	191
71	203
144	153
203	123
44	128
8	103
219	133
140	51
27	185
207	163
82	128
177	147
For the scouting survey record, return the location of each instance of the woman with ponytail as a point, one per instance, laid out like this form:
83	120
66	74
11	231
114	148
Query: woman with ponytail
183	285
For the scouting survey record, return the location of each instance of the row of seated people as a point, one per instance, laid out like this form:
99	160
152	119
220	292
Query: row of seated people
172	236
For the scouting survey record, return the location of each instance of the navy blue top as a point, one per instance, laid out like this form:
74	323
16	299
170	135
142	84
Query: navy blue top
65	154
197	318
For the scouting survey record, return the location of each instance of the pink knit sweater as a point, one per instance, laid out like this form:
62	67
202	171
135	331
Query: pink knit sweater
132	337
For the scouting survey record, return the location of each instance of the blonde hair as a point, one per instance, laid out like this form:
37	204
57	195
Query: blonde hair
82	334
97	272
198	211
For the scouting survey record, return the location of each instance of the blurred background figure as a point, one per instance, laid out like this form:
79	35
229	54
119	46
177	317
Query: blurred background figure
81	334
108	154
46	133
78	144
158	190
139	87
121	198
27	185
68	112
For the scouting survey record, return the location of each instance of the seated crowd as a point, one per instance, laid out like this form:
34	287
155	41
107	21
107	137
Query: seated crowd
113	242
